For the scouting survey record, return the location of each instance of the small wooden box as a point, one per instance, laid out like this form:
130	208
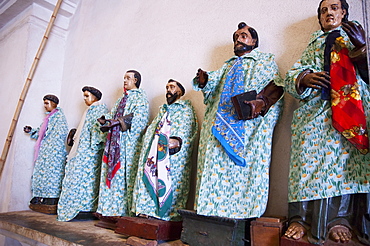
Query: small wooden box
267	231
213	230
149	228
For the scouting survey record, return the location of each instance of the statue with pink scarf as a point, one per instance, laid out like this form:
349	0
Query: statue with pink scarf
49	157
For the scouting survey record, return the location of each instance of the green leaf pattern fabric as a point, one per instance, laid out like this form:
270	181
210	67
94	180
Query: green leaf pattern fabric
323	163
49	167
80	189
223	188
117	200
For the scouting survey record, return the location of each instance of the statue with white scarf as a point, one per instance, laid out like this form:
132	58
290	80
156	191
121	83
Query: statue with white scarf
162	182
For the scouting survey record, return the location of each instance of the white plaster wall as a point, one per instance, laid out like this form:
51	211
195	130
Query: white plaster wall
161	39
18	47
172	39
8	98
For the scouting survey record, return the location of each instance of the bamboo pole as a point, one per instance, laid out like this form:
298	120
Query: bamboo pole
26	86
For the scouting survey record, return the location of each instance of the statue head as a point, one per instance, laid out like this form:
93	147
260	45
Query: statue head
91	95
331	14
131	80
174	90
50	102
245	39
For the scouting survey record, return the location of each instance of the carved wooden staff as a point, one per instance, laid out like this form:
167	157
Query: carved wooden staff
26	86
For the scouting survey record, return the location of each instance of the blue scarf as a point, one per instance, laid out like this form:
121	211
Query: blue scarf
227	128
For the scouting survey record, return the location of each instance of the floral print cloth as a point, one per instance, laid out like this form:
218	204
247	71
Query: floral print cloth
80	186
323	163
116	200
48	172
183	125
224	188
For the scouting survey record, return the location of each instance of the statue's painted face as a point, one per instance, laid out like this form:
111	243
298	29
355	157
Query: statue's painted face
331	14
243	41
173	92
89	98
49	105
129	81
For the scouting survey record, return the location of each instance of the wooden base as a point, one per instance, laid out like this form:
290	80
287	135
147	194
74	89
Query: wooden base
214	230
267	231
149	228
107	222
45	209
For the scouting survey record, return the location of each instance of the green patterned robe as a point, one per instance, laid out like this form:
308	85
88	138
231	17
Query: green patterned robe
223	188
48	172
184	125
323	163
117	200
80	186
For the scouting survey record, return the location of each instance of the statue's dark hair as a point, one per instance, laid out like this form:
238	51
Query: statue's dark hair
345	6
93	91
137	75
252	31
51	98
179	85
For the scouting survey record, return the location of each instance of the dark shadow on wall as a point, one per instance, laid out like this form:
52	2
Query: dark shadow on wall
295	38
279	167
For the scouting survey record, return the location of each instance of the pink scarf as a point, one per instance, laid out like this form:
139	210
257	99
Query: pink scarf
42	131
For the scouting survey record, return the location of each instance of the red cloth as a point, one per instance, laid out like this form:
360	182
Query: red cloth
348	113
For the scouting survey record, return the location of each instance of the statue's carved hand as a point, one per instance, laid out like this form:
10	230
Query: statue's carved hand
174	145
355	33
126	122
27	129
108	125
70	136
102	120
315	80
256	107
201	78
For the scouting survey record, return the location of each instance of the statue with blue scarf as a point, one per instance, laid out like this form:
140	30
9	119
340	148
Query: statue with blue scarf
235	152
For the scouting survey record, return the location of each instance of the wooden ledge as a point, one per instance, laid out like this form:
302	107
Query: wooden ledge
31	227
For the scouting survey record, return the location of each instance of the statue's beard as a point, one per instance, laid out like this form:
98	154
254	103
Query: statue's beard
241	48
171	98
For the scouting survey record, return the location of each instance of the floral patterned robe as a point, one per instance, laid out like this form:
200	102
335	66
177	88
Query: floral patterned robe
184	125
49	167
116	200
223	188
80	187
323	163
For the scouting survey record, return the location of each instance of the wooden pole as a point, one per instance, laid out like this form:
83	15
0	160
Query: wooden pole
26	86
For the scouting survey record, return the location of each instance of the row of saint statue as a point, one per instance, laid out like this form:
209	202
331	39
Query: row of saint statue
119	166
